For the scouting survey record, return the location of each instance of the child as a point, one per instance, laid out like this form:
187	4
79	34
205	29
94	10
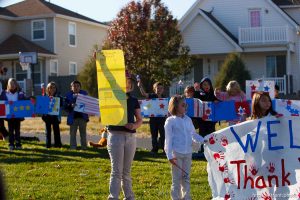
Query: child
13	93
156	123
276	91
189	92
262	106
53	120
180	133
121	147
207	94
233	93
76	119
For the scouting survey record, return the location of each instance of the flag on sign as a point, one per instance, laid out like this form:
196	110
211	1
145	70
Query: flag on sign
87	104
194	107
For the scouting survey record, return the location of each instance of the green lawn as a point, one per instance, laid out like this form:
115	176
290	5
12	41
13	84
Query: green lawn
39	173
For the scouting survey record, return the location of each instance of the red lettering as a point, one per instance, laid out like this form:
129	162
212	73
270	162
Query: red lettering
270	180
238	163
262	181
246	178
284	177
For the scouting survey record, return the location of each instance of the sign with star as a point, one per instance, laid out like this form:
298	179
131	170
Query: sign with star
194	107
253	86
154	107
20	109
4	109
42	104
287	107
54	106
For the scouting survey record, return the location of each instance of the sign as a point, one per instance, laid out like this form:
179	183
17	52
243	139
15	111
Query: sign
154	107
87	104
259	86
112	87
257	159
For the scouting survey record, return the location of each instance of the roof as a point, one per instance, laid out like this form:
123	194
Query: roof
220	25
41	7
286	2
4	11
15	44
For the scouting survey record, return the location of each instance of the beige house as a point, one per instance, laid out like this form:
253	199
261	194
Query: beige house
62	39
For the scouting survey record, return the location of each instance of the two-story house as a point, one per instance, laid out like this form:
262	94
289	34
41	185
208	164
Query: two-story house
264	32
62	39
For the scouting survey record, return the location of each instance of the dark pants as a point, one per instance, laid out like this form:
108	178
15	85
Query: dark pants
157	125
3	129
52	122
14	126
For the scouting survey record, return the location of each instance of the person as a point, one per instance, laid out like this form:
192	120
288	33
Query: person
121	146
207	94
276	91
180	133
13	93
262	106
197	89
156	123
189	92
76	119
233	93
3	131
52	120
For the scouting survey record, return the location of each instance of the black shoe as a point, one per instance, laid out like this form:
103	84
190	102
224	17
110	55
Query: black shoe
154	151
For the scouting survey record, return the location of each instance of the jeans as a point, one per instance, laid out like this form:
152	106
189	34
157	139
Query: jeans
157	125
81	123
121	148
180	188
52	122
14	126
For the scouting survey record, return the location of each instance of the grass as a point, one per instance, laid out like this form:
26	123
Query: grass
39	173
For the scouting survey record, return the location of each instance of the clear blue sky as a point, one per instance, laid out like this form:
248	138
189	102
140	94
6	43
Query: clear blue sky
106	10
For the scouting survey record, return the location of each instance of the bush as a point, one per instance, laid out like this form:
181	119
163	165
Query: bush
232	69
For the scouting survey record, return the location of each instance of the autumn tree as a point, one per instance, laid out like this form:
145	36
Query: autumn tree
232	69
152	43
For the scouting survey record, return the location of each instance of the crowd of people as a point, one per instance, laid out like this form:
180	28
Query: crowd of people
176	132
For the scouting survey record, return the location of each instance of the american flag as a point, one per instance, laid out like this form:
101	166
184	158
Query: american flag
87	104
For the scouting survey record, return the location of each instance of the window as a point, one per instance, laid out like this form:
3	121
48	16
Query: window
35	76
53	67
73	68
38	28
255	18
276	66
72	34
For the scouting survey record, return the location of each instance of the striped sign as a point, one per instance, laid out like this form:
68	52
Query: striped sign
87	104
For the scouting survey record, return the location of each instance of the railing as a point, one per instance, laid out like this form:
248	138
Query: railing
263	35
280	81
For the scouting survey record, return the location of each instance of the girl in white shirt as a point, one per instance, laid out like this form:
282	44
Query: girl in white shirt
180	133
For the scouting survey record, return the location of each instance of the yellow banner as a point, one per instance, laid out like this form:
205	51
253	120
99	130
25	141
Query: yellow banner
112	87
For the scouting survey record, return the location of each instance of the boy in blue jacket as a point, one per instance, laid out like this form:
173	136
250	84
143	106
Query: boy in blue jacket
76	119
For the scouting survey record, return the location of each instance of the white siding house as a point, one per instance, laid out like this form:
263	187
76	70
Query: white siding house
264	32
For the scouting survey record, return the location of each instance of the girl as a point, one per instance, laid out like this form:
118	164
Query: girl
180	133
13	93
156	123
207	94
52	120
262	105
121	147
233	93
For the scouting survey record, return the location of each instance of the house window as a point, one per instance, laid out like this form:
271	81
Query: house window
35	76
255	18
276	66
53	67
38	28
72	34
72	68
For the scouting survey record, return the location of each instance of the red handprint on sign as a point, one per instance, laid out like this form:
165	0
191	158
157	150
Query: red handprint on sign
223	168
253	170
224	141
228	180
212	139
271	168
219	155
266	196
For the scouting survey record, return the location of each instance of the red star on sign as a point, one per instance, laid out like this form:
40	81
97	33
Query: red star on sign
162	106
204	117
253	87
207	111
289	102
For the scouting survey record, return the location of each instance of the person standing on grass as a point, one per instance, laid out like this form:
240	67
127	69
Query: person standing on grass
3	132
180	133
76	119
52	120
156	123
13	93
121	146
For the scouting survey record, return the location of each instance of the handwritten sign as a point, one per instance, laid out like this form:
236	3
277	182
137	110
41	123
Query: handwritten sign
262	86
257	159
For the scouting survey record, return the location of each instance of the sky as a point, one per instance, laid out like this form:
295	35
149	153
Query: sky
106	10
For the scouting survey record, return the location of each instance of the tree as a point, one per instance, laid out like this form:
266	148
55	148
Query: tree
88	76
149	36
232	69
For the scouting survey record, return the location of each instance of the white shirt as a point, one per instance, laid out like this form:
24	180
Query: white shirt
12	96
179	135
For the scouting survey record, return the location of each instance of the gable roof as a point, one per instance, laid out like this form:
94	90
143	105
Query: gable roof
15	44
4	11
41	7
287	2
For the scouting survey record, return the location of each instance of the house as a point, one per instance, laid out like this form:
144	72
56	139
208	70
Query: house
62	39
264	32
